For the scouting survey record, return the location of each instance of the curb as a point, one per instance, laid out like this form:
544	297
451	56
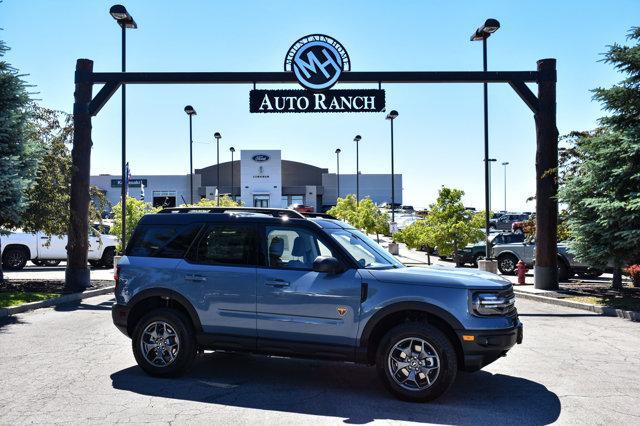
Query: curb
603	310
12	310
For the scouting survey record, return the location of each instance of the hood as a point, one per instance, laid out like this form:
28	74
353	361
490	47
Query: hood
109	239
442	277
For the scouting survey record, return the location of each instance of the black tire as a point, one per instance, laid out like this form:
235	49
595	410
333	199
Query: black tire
448	363
507	264
477	257
50	262
564	271
185	353
591	273
95	263
14	258
107	258
443	257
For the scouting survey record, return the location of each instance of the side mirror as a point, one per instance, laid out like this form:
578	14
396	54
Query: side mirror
327	264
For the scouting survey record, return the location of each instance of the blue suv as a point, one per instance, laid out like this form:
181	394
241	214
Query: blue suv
275	282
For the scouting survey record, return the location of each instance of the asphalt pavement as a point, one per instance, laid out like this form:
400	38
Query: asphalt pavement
71	365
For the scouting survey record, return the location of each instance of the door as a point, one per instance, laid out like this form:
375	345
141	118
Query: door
299	309
51	246
219	278
95	245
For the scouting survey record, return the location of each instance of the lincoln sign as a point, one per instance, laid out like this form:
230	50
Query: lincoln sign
317	61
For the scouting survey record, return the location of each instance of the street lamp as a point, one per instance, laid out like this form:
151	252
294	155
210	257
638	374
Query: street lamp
490	26
218	137
125	20
505	164
232	149
491	161
190	112
338	151
392	116
357	141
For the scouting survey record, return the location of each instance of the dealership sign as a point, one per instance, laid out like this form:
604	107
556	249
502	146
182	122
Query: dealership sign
317	61
132	183
260	158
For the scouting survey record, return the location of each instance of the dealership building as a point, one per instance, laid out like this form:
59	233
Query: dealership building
261	178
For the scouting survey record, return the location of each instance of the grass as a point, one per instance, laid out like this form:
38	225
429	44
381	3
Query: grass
13	298
625	302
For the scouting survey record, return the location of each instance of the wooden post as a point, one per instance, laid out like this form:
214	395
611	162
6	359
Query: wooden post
77	272
546	266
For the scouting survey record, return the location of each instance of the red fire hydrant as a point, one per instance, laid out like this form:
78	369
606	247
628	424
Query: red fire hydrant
521	270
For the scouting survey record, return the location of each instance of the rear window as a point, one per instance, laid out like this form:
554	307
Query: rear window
170	241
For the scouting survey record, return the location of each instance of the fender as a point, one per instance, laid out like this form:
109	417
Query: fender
407	306
509	252
22	246
169	294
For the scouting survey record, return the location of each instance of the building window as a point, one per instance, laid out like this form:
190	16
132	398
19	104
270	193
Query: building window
261	201
297	199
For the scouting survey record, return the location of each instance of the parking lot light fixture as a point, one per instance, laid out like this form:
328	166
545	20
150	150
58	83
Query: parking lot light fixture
190	112
505	164
391	117
357	140
338	151
125	20
232	149
489	27
217	136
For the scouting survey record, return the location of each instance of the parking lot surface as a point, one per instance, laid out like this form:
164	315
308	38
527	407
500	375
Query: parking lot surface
69	364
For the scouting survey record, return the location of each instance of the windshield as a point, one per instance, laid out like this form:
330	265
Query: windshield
363	249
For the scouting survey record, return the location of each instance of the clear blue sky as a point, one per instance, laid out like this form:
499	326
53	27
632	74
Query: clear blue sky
438	132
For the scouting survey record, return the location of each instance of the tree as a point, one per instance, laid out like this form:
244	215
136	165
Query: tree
601	182
225	201
48	197
370	219
345	209
135	210
18	153
449	225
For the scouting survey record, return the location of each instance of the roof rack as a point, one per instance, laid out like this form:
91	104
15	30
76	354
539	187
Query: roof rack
267	211
318	215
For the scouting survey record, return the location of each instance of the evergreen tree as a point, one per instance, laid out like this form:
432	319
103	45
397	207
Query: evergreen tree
17	151
601	182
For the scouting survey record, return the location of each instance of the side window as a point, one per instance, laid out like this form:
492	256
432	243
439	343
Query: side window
171	241
293	248
226	245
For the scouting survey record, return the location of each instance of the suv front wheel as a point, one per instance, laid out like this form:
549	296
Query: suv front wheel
416	362
164	343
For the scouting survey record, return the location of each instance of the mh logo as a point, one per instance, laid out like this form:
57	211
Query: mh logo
317	61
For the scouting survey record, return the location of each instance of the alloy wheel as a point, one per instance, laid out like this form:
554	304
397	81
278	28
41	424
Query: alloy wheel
159	344
413	364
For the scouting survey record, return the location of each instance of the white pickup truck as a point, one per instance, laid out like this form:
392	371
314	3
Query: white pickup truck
49	250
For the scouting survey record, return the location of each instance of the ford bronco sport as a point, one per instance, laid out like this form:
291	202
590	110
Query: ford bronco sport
270	281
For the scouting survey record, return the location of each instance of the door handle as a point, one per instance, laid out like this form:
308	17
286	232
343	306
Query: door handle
277	283
195	278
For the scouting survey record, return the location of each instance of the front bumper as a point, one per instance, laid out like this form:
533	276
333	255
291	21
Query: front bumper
487	345
120	315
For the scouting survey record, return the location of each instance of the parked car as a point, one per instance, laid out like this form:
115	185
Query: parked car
302	208
504	222
508	256
474	252
258	282
49	250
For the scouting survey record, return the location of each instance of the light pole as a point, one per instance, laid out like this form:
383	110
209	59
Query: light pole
232	149
190	112
125	20
357	141
217	136
338	151
490	26
505	164
392	116
491	161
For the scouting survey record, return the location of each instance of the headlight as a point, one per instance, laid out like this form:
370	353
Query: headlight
493	303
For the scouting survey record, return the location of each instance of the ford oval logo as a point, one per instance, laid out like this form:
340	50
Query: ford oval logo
260	158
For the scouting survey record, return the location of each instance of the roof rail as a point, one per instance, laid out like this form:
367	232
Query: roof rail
267	211
318	215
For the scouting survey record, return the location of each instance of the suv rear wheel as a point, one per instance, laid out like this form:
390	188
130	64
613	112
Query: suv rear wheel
164	343
416	362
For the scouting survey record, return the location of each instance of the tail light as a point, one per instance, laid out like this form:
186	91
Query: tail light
116	275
